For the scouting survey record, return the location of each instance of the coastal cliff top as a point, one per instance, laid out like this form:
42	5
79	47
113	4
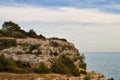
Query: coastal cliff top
27	52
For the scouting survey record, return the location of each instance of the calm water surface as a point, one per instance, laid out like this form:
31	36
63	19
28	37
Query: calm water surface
107	63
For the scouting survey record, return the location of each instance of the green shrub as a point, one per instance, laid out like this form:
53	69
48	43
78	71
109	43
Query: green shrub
42	37
75	72
65	66
83	72
43	69
10	26
32	34
6	65
6	43
34	47
59	67
6	33
21	64
81	58
83	65
67	61
87	78
12	29
19	35
62	39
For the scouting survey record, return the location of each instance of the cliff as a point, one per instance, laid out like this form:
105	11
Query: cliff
36	51
52	58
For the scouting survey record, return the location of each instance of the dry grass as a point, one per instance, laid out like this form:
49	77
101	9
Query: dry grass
30	76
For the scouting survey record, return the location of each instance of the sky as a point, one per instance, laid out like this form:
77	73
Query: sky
92	25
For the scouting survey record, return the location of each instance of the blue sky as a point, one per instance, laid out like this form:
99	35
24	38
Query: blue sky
93	25
104	5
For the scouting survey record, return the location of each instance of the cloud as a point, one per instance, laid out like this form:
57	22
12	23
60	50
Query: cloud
57	15
111	6
90	29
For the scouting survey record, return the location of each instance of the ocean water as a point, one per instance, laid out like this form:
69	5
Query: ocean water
107	63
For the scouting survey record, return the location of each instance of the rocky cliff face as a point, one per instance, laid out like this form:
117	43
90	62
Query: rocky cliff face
36	51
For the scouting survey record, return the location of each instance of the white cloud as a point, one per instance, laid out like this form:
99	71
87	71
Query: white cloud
89	29
60	15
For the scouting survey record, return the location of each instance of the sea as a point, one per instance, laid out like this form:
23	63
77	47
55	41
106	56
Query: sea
107	63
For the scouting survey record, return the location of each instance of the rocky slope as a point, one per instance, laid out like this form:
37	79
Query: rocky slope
36	51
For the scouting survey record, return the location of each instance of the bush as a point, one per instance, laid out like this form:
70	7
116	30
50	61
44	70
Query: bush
67	61
83	72
32	34
42	37
6	33
75	72
10	26
62	39
6	65
81	58
22	67
87	78
21	64
6	43
43	69
65	66
59	67
19	35
83	65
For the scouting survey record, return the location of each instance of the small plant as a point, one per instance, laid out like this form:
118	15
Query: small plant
32	34
65	66
59	67
75	72
6	65
83	65
41	37
43	69
87	78
19	35
62	39
21	64
83	72
6	43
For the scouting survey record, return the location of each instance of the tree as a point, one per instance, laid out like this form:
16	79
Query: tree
10	26
32	33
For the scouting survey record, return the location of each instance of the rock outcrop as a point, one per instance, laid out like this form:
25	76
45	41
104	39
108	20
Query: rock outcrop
36	51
